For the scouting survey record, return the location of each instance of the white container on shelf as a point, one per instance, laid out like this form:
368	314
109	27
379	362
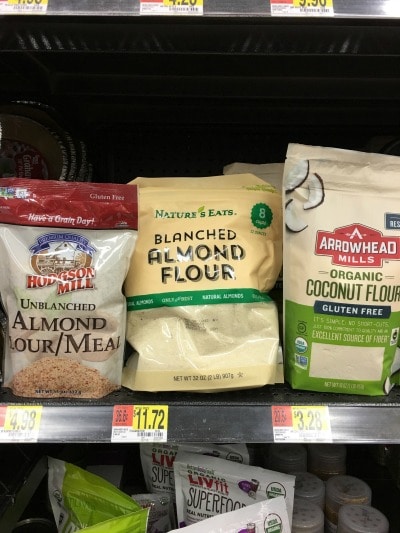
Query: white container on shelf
326	460
309	488
287	457
307	517
341	490
361	519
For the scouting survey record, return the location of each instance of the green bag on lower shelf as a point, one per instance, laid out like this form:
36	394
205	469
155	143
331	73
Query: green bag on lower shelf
82	501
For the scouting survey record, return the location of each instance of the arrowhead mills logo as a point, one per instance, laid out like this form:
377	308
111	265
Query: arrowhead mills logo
357	245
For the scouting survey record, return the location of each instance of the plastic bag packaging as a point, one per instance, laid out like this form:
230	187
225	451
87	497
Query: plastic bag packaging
82	501
264	516
199	314
207	486
64	255
160	511
157	461
269	172
342	311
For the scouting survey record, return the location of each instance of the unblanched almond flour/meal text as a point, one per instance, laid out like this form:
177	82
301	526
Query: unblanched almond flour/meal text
64	253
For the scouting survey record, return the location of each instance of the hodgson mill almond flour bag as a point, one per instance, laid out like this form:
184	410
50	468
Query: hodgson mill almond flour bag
65	248
341	269
199	314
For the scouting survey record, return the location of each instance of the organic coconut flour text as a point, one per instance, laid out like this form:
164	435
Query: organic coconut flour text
64	254
341	269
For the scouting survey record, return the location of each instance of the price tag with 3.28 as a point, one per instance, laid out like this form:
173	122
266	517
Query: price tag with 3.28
140	423
23	7
301	423
291	8
20	423
171	7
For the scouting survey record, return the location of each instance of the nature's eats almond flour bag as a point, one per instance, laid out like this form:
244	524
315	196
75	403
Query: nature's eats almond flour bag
65	249
199	314
341	269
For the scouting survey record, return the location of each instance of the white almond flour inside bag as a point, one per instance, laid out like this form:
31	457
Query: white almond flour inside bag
199	315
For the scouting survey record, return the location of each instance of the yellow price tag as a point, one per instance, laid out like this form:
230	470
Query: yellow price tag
27	3
313	419
318	8
187	4
23	418
23	6
321	4
150	417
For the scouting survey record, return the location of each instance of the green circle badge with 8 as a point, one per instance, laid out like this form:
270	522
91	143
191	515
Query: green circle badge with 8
261	216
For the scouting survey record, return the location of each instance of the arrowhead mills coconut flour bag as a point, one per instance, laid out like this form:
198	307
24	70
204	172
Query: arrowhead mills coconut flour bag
341	269
64	254
199	314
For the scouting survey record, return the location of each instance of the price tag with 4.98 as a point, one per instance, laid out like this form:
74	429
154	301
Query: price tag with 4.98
20	423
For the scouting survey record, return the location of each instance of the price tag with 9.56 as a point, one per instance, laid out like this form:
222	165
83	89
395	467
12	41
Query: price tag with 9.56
20	423
301	423
139	423
319	8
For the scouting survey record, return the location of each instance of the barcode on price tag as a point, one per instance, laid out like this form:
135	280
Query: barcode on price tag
140	423
301	423
23	7
308	8
20	423
171	7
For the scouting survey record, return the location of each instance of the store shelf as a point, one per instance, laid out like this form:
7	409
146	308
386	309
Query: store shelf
220	8
240	416
236	84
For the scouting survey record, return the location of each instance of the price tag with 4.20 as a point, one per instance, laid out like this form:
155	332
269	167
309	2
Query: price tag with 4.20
171	7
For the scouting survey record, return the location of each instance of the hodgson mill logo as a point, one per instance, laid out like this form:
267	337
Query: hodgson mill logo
61	259
357	245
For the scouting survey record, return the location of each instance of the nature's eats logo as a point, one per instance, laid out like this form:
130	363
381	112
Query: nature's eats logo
201	212
63	259
357	245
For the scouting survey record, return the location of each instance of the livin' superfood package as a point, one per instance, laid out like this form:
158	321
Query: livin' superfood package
65	249
199	314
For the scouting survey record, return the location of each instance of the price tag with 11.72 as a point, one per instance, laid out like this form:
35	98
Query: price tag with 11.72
139	423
